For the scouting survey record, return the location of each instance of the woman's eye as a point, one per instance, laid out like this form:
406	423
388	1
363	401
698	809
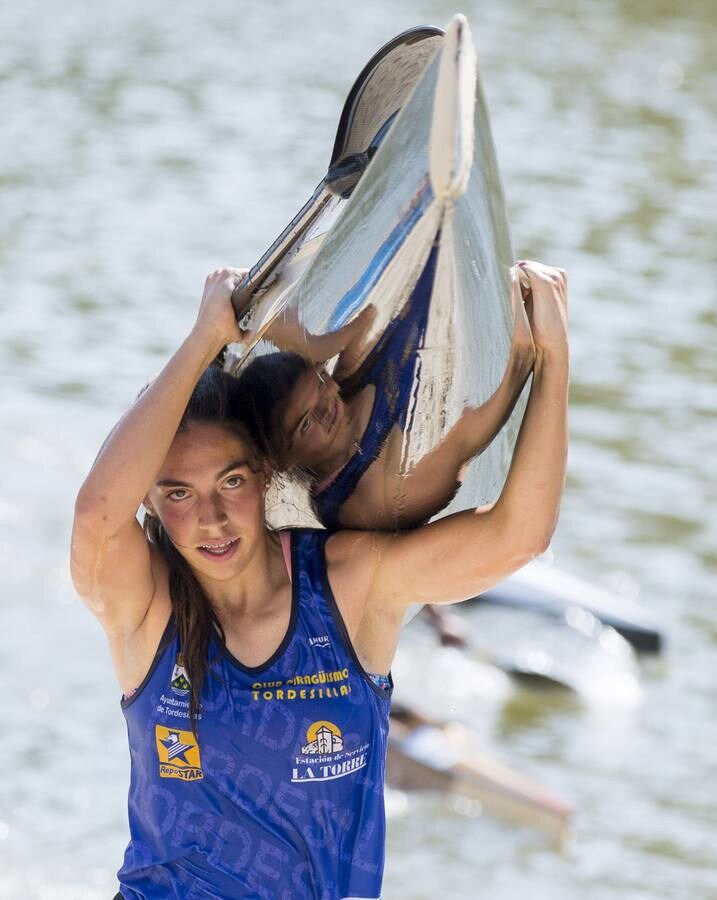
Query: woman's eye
305	425
173	494
234	481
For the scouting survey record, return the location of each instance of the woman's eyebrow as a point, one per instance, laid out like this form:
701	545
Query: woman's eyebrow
301	418
172	482
292	431
237	464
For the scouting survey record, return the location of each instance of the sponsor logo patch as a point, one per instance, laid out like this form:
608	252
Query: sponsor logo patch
178	754
323	757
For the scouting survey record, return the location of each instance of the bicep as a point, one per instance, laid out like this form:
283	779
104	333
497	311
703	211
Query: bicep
113	573
450	560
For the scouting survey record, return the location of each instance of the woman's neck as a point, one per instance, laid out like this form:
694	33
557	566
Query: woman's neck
254	587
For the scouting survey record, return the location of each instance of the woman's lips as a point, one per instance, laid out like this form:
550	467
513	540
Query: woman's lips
219	551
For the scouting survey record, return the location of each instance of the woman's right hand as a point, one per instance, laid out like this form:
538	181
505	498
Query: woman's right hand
216	316
547	307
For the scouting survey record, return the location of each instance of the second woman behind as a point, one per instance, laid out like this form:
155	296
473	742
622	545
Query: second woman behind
344	432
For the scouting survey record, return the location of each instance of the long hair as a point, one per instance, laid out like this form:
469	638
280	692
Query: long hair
213	401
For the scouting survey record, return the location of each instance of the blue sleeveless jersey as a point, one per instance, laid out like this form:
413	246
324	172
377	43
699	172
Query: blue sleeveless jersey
281	795
393	366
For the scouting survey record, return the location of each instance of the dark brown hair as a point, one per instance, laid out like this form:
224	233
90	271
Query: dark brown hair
266	386
214	401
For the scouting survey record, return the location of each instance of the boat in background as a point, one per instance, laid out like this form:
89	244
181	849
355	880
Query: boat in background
548	590
428	755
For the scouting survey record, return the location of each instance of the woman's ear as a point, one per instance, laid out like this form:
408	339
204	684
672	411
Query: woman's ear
147	504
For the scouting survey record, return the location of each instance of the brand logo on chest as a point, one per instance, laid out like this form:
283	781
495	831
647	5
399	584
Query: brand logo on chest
321	640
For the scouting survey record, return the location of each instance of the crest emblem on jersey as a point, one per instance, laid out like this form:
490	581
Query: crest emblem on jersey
178	753
179	682
323	737
324	757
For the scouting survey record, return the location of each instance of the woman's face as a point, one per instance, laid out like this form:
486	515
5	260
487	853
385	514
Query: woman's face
315	416
209	497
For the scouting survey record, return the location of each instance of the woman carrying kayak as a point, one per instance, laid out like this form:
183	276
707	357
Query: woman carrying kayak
254	664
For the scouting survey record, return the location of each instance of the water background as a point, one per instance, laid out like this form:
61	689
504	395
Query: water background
144	145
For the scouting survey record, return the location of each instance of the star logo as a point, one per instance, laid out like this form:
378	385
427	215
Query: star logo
175	748
178	753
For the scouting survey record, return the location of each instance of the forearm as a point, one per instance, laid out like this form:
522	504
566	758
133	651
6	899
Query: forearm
133	452
477	427
319	348
286	333
530	498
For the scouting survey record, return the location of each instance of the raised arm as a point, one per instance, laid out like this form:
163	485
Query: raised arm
111	563
461	555
287	333
431	483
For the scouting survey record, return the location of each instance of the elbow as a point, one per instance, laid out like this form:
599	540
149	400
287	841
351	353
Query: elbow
527	543
541	539
93	514
527	532
88	505
527	551
541	545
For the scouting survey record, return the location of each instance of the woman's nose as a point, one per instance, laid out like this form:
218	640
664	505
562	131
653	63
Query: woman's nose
211	513
321	410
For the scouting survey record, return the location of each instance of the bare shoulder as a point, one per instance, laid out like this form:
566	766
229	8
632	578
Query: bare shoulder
352	560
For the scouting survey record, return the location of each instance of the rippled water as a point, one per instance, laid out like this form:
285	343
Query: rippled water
146	144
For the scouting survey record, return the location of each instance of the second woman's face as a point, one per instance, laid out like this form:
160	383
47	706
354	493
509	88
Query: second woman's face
314	418
209	496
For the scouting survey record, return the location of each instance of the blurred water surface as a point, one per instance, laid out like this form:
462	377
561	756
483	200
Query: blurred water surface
146	144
